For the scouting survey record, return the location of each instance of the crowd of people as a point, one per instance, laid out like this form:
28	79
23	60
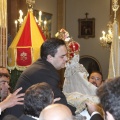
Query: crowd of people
38	97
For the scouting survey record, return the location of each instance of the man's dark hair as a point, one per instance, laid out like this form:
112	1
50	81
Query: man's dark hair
96	72
109	94
36	98
50	46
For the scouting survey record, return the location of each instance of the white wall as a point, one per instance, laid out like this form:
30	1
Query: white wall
49	6
75	9
98	9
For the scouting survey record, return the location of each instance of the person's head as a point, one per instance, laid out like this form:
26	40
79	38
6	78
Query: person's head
56	112
36	98
4	85
109	94
54	51
3	70
96	78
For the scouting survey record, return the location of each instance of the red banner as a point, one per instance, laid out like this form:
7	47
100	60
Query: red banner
24	57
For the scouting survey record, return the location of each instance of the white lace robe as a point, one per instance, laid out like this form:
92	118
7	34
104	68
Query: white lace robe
76	78
76	87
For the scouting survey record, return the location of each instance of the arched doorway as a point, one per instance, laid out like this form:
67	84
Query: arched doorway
90	63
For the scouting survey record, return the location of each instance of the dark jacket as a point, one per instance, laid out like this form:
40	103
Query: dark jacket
96	117
40	71
25	117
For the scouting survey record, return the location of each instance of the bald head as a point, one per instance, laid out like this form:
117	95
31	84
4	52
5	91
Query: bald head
56	112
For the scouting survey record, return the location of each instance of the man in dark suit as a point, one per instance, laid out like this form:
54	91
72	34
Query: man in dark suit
109	94
53	58
7	99
36	98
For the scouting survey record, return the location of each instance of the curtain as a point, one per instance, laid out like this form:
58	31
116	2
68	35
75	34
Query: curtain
3	33
114	64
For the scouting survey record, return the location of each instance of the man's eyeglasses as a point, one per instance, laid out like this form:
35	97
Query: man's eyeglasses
95	78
